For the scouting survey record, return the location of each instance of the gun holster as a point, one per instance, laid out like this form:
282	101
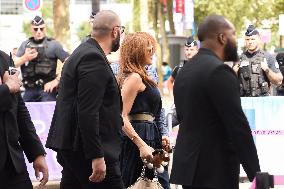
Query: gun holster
264	180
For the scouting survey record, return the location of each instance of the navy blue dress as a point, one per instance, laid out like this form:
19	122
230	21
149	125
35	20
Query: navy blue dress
148	101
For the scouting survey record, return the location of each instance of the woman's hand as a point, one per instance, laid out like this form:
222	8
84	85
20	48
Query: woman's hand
146	153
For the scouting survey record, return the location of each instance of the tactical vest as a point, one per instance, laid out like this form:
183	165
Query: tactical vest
179	67
253	81
40	70
281	68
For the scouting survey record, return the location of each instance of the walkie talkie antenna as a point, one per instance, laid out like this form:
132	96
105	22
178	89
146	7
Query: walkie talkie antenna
11	62
12	69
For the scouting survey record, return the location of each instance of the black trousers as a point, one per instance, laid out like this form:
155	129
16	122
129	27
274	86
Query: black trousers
10	179
76	172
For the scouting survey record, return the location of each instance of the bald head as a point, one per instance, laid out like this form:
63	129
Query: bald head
103	23
211	26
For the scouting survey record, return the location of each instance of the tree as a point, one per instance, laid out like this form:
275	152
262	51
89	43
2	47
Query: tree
261	13
170	16
136	26
156	9
240	12
235	11
61	21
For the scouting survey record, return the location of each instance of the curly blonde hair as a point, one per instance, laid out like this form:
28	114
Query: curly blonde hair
134	51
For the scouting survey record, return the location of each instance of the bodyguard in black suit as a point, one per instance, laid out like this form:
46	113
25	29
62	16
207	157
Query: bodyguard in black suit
86	126
17	135
214	136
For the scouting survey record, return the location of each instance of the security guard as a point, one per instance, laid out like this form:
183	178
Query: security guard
37	58
257	69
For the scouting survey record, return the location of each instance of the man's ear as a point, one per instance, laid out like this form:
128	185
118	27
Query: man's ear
114	33
221	39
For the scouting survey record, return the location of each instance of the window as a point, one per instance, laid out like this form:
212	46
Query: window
11	6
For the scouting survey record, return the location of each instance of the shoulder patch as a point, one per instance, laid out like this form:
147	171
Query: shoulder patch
244	63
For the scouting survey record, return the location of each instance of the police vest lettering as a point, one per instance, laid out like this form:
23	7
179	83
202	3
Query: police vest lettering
40	70
253	81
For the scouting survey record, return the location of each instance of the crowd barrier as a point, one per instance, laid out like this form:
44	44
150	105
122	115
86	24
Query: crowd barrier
265	115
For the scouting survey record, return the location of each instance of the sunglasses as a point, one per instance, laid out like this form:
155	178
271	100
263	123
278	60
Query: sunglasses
36	29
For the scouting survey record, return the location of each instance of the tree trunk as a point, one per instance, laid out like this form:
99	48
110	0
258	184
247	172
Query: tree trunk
155	18
144	19
170	16
136	16
156	26
95	6
164	40
61	22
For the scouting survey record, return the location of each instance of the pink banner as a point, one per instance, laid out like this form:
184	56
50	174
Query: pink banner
180	6
41	114
278	180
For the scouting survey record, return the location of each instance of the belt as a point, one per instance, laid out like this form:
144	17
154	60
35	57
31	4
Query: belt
141	117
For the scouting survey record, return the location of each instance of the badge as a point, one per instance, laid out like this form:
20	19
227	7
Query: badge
244	63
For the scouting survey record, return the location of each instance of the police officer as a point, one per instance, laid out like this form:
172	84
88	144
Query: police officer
257	69
190	49
37	58
280	60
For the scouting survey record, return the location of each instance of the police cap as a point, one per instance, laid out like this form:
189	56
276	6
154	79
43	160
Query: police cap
37	21
190	42
251	30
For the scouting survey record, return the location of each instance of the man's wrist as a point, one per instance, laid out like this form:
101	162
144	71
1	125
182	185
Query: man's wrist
267	70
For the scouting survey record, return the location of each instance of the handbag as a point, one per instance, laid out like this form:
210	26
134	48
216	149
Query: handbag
145	183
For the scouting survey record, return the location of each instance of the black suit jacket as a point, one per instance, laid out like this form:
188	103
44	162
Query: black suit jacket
214	135
17	132
88	109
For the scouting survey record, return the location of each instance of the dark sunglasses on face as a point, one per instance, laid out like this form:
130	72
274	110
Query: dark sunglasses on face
36	29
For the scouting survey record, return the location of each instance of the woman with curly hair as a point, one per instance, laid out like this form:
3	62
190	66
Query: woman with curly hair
141	107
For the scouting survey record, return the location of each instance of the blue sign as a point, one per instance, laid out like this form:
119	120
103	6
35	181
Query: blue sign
32	5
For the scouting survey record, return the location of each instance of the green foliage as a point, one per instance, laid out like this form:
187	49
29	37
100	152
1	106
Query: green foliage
239	12
235	11
242	12
83	30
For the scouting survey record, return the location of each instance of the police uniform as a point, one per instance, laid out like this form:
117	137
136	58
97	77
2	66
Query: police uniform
41	70
190	42
253	80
